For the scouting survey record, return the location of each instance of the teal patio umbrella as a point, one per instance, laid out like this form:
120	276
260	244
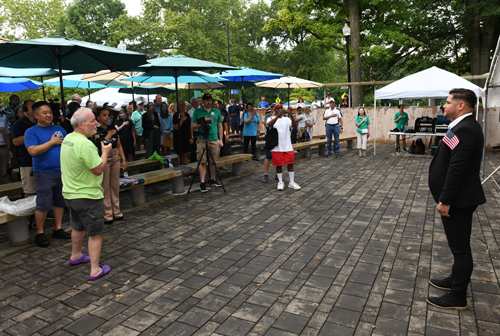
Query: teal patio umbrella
75	81
63	53
179	65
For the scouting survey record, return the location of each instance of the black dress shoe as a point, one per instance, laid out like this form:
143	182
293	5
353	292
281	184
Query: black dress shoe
61	234
119	218
41	240
447	301
108	222
441	284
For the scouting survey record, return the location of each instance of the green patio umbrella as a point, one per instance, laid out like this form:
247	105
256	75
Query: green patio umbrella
60	53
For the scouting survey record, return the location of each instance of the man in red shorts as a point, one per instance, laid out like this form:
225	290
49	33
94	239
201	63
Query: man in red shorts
283	152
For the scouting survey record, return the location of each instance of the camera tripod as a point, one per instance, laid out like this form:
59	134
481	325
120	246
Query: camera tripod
206	151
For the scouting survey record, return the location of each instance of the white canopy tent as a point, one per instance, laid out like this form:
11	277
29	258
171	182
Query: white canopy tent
491	95
430	83
111	95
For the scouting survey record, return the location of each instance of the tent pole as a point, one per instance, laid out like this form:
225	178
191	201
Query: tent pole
288	104
43	88
375	119
485	109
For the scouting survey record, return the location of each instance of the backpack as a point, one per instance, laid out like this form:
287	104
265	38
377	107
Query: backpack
418	147
271	138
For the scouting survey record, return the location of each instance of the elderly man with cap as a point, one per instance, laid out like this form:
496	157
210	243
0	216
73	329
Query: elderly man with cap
215	142
137	120
334	126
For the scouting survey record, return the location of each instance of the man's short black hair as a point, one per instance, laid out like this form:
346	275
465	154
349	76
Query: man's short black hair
12	97
39	104
466	95
401	105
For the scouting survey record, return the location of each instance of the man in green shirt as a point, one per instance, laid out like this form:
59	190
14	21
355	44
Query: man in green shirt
81	172
401	120
214	138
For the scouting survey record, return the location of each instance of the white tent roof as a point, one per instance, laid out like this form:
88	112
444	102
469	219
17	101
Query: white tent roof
493	80
110	95
429	83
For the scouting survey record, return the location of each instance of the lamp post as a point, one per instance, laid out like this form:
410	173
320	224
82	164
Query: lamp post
347	33
228	60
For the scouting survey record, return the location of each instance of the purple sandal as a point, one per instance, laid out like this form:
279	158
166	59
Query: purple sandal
83	259
105	270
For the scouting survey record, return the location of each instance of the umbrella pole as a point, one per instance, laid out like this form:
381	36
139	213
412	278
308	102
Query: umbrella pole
133	98
375	119
189	92
59	63
88	89
179	156
288	95
43	87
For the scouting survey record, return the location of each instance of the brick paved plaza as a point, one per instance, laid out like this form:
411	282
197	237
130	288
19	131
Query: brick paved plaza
349	254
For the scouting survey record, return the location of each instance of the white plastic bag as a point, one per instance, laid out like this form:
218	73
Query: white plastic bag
22	207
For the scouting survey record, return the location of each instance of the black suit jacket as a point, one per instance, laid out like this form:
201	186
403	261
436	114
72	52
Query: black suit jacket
454	174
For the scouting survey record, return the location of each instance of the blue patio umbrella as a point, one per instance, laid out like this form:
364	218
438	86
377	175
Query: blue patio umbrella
244	74
30	72
8	84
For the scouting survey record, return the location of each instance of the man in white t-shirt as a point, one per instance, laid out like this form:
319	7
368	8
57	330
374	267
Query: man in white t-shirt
333	118
283	153
316	103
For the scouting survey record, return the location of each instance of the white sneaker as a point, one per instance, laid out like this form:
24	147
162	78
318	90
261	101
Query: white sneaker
281	185
294	186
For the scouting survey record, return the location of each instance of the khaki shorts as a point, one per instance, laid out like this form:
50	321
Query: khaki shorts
301	131
213	146
27	180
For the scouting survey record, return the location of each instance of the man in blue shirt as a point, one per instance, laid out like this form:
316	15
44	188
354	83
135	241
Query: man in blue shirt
251	122
43	143
263	103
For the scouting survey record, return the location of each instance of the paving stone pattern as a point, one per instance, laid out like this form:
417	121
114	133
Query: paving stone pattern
349	254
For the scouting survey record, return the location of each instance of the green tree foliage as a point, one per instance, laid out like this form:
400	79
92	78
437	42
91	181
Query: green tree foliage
89	20
30	19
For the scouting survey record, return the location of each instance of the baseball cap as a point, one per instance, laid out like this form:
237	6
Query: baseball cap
276	106
328	94
299	108
332	100
140	100
206	96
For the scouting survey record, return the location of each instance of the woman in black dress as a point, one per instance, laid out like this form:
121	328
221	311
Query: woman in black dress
126	131
182	142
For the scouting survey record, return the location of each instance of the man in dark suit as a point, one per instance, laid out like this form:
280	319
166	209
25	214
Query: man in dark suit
456	187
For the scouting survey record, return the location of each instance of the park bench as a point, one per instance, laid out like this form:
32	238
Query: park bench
348	139
138	191
11	189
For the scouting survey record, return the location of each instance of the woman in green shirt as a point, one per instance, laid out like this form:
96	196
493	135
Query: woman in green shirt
363	130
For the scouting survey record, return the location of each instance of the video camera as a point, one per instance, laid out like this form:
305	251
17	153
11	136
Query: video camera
205	128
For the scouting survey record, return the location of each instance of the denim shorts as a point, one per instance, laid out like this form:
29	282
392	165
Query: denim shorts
48	191
87	215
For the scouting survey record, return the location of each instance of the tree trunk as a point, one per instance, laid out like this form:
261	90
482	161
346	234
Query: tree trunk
479	41
356	90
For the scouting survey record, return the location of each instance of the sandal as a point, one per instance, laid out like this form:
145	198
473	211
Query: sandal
104	270
83	259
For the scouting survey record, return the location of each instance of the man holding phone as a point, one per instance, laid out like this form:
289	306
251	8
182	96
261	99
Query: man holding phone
43	143
283	153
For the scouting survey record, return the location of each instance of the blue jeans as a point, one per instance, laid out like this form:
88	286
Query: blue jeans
335	131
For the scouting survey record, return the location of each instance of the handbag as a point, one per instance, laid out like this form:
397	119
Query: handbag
271	138
305	136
